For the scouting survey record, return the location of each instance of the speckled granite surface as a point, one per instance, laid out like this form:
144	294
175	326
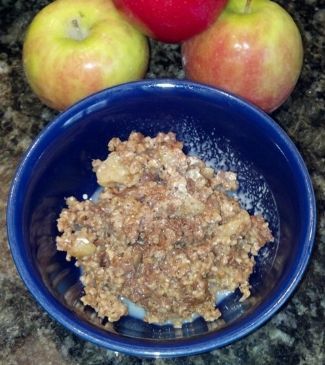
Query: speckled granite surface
294	336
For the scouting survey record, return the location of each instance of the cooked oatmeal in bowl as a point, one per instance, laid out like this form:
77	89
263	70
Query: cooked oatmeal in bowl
164	233
152	226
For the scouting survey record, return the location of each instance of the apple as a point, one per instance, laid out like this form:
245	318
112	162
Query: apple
171	21
74	48
254	50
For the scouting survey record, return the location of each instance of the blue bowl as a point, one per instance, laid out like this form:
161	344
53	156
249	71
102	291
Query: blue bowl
222	129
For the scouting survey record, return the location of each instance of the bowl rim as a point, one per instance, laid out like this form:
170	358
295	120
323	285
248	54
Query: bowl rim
154	348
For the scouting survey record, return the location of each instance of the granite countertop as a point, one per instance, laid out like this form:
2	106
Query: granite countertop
295	335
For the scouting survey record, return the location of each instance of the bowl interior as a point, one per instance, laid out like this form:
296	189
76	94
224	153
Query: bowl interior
217	127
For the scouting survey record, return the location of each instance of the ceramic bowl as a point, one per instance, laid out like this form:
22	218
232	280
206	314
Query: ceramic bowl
220	128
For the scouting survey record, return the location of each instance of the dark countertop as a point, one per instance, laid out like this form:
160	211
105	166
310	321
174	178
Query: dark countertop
293	336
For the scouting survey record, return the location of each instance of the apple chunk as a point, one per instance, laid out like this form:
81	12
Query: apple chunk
75	48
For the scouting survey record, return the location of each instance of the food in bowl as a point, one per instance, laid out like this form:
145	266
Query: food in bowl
164	233
224	131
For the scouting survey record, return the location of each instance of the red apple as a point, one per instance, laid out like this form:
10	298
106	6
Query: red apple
254	50
171	21
74	48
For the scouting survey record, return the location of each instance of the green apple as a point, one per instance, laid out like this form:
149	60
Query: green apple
254	49
74	48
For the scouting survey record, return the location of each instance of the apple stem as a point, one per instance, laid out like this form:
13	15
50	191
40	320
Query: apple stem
248	6
76	31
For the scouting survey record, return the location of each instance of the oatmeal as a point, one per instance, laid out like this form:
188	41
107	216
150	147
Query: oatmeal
163	233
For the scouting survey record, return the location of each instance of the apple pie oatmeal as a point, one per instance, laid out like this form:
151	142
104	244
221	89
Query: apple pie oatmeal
163	233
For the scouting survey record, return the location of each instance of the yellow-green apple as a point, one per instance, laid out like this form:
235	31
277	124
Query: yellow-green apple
254	50
74	48
171	21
